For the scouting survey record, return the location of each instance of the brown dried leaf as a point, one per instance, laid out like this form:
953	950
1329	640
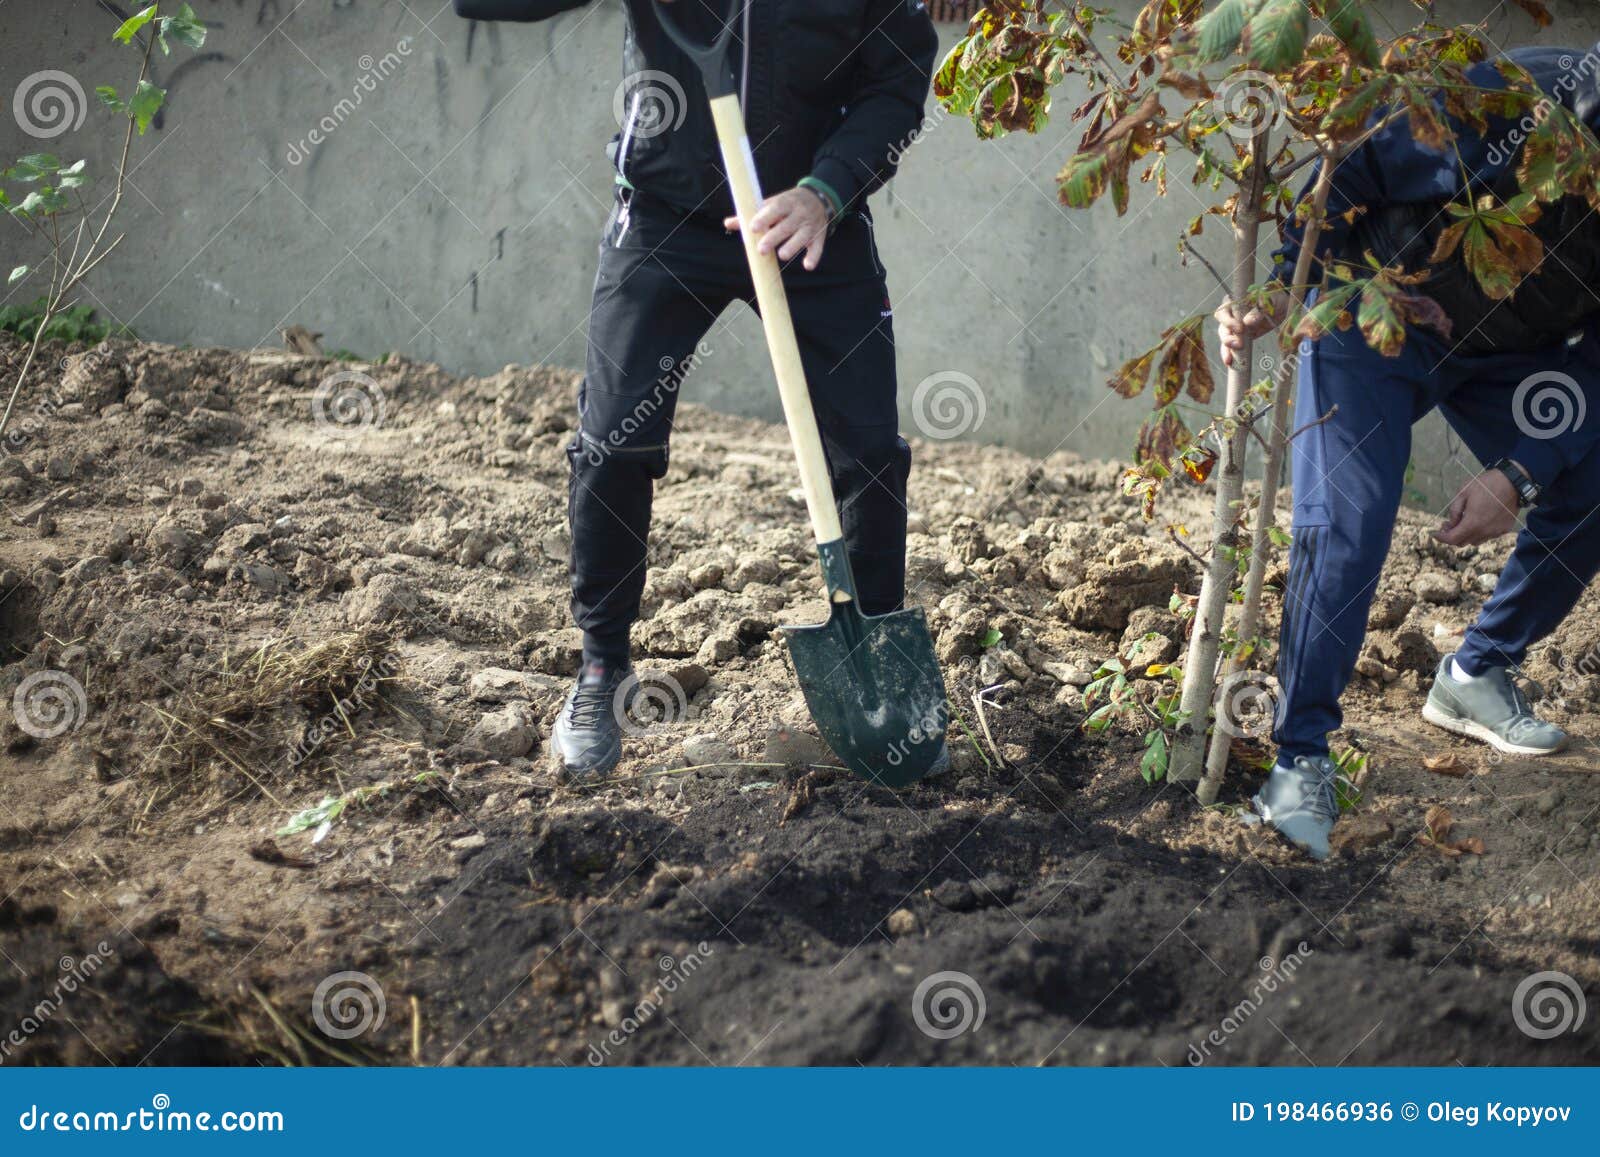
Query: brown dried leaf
1445	765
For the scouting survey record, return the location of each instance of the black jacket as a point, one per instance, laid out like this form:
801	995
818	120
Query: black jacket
833	89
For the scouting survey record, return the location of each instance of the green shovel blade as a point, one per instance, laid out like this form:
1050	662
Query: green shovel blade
873	685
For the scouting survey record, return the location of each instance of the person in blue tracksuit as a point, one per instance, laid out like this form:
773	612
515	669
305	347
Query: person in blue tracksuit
1518	380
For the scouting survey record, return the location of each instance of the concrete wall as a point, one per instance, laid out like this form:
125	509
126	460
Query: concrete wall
453	212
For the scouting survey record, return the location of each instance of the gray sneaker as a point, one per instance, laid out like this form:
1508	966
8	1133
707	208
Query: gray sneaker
1491	708
1301	802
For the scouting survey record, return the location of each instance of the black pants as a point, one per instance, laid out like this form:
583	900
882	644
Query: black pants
665	276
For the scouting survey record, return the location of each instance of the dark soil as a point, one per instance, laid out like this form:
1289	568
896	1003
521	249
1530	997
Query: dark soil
723	900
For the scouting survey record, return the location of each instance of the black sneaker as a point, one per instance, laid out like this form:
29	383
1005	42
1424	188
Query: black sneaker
587	737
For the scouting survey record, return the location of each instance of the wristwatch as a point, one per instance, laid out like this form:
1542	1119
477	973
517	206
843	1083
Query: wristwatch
1527	489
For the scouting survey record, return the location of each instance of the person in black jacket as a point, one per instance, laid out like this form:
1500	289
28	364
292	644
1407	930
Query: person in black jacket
832	91
1518	379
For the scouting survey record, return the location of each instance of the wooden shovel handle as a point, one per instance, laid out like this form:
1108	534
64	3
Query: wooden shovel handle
781	344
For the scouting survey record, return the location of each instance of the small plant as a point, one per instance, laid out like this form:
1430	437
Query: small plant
51	192
1350	774
74	324
1159	714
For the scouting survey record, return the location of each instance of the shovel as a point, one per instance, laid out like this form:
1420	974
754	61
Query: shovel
871	682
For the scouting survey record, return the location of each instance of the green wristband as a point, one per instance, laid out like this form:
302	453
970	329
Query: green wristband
818	185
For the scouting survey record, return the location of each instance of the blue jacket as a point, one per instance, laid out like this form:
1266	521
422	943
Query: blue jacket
1392	168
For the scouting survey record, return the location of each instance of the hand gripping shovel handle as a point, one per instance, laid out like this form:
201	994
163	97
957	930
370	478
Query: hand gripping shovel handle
775	319
739	162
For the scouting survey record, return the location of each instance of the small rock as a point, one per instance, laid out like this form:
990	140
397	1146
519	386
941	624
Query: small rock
475	547
706	749
88	569
1389	609
1487	582
1358	833
468	846
717	649
956	895
1548	801
902	922
690	677
170	541
793	747
1069	674
505	734
245	536
556	545
268	580
754	568
1409	650
707	576
1436	587
385	597
497	685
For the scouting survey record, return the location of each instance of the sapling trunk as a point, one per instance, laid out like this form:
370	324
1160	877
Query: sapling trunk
65	276
1205	641
1272	476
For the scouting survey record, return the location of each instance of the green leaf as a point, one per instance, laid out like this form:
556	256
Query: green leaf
33	166
1280	538
42	202
1351	25
146	102
1084	179
1278	35
129	27
108	97
1221	28
17	275
1153	767
329	810
991	638
186	28
73	176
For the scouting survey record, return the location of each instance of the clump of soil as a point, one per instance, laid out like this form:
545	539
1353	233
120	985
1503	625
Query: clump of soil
393	563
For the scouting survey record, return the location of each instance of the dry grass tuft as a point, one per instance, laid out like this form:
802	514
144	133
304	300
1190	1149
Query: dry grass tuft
258	704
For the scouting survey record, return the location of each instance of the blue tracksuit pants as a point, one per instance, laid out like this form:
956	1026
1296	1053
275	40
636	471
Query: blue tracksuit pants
1349	473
